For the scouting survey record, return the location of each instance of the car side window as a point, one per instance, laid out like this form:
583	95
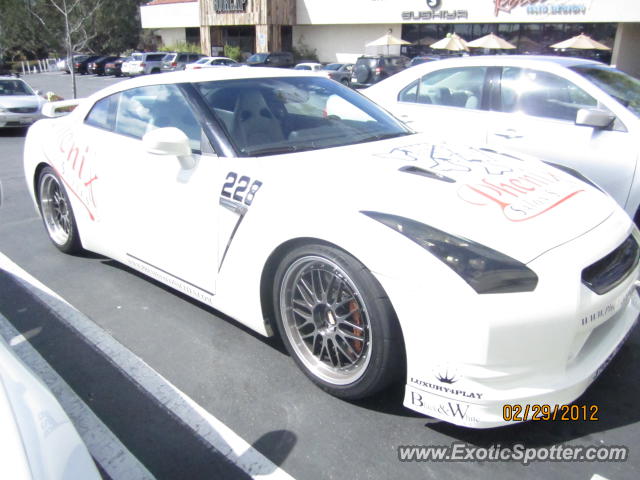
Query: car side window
101	114
453	87
143	109
409	93
541	94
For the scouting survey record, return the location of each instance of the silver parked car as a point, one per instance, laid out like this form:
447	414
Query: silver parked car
178	60
143	63
20	105
573	112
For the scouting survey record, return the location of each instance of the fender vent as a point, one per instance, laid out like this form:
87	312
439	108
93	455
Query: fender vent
610	271
426	173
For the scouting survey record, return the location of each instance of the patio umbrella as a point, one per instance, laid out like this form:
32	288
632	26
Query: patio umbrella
386	40
491	41
581	41
451	42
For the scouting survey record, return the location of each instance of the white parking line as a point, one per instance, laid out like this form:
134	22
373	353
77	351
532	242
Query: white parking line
207	426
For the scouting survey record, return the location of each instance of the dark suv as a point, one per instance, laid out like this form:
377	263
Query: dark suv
275	59
372	69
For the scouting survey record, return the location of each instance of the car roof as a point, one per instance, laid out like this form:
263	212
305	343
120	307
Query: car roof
518	60
11	77
310	64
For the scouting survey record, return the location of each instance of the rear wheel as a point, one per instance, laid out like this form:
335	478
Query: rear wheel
57	213
336	322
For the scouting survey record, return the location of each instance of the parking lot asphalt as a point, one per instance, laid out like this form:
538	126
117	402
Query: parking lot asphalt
248	382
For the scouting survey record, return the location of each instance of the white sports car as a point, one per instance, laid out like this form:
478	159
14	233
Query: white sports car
297	206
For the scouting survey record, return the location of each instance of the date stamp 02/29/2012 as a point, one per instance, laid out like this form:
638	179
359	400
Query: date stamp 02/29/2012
542	412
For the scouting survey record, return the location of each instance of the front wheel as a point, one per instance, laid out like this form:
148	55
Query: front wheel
57	213
337	322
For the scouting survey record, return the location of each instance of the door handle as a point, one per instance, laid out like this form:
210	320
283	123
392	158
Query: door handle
508	133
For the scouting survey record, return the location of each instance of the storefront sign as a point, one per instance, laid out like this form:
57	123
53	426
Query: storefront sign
435	13
227	6
539	7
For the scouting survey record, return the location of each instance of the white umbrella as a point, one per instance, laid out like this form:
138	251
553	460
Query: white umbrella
451	42
491	41
582	41
386	40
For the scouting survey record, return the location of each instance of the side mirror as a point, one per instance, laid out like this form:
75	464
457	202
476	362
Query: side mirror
170	141
594	117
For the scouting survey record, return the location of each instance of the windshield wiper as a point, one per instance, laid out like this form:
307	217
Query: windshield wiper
382	136
276	150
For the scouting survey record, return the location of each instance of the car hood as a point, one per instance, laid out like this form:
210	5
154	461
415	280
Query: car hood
518	206
17	101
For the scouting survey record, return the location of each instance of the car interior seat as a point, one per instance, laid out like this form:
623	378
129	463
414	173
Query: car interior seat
254	123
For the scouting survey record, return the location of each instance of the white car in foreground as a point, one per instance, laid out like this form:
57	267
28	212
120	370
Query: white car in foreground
568	111
20	105
295	205
38	440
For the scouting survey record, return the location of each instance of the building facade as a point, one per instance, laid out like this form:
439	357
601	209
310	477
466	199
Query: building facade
174	21
340	29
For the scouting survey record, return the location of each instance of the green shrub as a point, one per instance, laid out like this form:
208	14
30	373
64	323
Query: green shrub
180	47
234	53
304	52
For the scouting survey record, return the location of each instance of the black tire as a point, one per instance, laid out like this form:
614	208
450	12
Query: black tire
57	214
343	332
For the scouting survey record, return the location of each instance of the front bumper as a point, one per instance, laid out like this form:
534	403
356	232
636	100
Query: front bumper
12	120
469	355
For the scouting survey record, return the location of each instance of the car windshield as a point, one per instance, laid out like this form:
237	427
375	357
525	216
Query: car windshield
332	66
136	57
15	87
267	116
302	67
257	58
624	88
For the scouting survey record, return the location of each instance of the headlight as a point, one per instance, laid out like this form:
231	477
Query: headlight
484	269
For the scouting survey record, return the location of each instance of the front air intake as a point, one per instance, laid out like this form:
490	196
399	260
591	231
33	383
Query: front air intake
608	272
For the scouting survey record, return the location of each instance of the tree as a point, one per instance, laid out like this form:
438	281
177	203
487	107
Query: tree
117	24
77	19
21	35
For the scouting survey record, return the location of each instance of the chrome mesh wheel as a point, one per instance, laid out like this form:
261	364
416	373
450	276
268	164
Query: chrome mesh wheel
56	211
325	320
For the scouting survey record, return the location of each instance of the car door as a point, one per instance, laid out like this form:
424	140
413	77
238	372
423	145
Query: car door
536	115
165	215
448	104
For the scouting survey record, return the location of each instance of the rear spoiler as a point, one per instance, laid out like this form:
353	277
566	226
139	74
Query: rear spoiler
58	109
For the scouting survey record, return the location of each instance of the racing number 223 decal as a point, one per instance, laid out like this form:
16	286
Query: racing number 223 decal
239	190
